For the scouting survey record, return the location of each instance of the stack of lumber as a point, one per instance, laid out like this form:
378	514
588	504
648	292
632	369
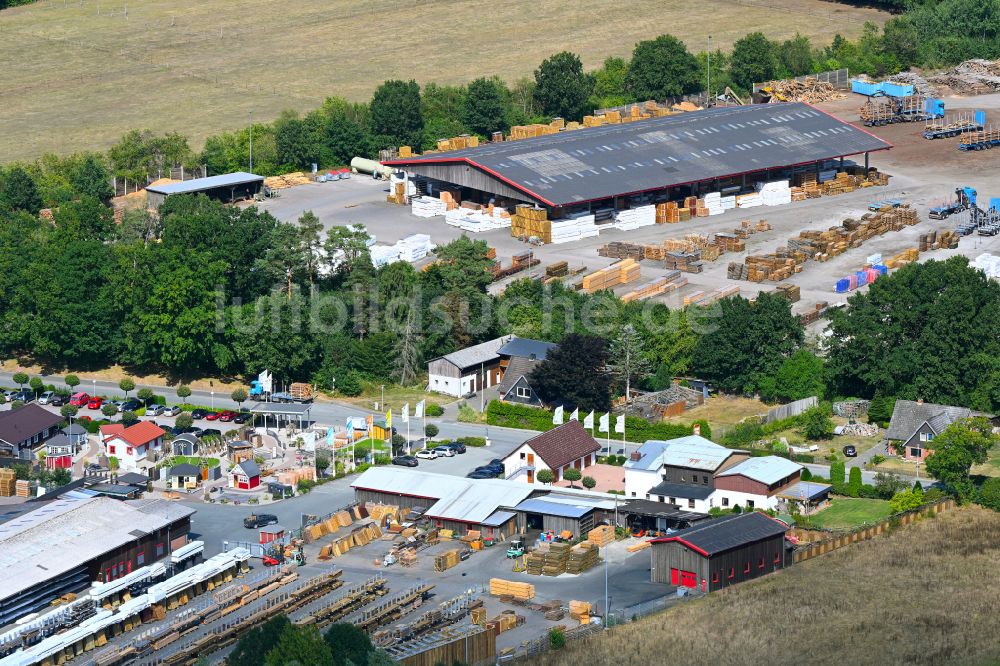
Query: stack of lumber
582	556
580	610
456	143
621	250
668	213
292	477
702	299
360	536
407	557
23	488
622	272
947	238
531	221
8	478
902	258
688	262
556	558
558	269
534	562
636	547
530	131
478	616
789	291
601	535
659	286
729	243
383	513
447	560
506	621
287	180
509	588
519	262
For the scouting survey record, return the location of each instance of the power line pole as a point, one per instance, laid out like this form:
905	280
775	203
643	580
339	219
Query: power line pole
708	74
251	142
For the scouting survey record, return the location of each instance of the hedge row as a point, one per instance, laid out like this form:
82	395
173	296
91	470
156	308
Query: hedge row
637	429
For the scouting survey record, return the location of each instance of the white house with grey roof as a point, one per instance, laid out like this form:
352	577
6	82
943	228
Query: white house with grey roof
755	483
467	370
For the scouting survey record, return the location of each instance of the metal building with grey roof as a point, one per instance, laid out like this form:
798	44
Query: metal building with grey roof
228	187
672	154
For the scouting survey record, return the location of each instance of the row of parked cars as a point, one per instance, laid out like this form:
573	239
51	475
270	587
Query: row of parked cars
490	470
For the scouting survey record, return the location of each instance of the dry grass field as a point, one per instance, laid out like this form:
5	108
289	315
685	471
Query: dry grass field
79	73
926	594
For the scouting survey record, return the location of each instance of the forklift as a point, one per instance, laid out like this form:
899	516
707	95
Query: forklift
516	549
278	554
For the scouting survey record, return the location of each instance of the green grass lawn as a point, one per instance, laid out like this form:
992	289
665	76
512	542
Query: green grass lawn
847	512
194	460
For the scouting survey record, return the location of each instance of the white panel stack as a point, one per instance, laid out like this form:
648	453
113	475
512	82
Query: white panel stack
749	200
872	259
383	254
728	203
415	247
477	220
574	228
713	202
775	193
428	207
633	218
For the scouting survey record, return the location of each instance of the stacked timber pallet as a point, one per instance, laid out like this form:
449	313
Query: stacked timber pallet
360	536
812	315
508	588
601	535
669	213
556	558
506	621
634	218
447	560
534	562
558	269
661	285
729	243
8	482
287	180
573	228
621	250
788	291
580	611
531	222
24	488
622	272
519	262
702	298
688	262
636	547
902	258
582	557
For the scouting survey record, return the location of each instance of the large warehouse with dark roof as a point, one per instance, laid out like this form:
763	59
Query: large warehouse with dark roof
677	156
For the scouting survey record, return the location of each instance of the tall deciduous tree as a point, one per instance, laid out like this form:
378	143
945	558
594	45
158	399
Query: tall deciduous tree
561	86
609	84
750	341
574	374
395	114
928	331
300	645
753	60
484	109
93	179
961	445
18	191
662	67
801	375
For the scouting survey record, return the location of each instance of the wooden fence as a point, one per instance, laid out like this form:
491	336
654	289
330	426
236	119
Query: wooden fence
863	534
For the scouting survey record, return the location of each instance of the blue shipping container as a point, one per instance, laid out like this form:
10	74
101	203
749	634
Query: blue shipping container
897	89
881	268
843	285
865	87
995	203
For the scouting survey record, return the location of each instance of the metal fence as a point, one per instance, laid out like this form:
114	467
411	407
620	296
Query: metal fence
839	78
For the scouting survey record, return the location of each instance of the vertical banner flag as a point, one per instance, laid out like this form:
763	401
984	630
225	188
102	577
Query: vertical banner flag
602	423
418	411
620	424
588	420
575	416
388	421
557	416
406	413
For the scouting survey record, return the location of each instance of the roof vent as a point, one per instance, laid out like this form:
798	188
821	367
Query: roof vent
696	429
636	456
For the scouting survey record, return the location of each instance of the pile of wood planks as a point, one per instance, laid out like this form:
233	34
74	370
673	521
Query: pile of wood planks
24	488
902	258
531	222
636	547
360	536
8	482
808	89
287	180
580	610
671	212
661	285
447	560
621	250
519	262
789	291
601	535
558	269
688	262
509	588
622	272
701	298
582	556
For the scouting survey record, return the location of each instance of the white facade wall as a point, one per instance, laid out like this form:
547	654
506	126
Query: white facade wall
129	456
638	482
513	462
736	497
448	385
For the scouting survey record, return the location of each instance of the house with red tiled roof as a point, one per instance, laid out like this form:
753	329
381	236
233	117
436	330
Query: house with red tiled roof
133	445
559	449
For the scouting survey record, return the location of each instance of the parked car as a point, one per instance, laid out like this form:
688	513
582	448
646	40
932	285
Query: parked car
850	451
117	404
212	416
172	410
480	474
24	396
427	454
95	403
46	397
155	410
199	413
211	432
405	461
8	394
227	416
178	430
130	405
79	399
242	417
57	400
444	450
84	418
489	469
257	520
457	447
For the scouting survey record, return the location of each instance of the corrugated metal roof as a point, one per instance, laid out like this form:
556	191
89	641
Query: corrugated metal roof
805	490
601	162
484	352
766	469
560	509
726	533
202	184
527	348
498	519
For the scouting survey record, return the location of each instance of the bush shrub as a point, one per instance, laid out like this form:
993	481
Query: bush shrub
431	430
434	410
467	414
473	441
989	494
557	639
382	459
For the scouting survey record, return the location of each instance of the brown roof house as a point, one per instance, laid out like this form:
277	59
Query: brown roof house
563	447
26	427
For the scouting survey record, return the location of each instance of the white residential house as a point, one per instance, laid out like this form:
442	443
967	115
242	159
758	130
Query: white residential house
756	483
565	446
132	446
467	370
